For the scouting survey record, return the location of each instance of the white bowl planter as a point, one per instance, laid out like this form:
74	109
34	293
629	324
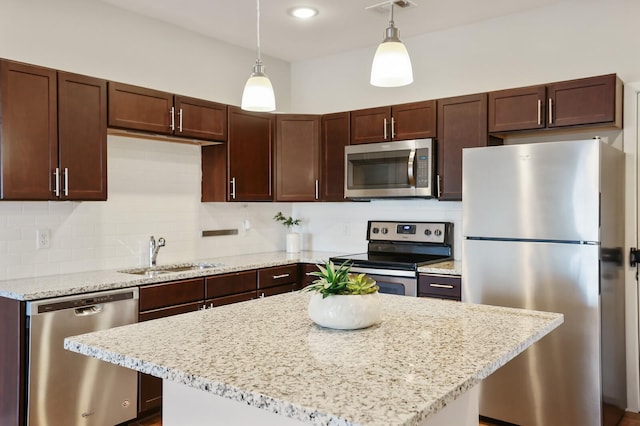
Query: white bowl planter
345	312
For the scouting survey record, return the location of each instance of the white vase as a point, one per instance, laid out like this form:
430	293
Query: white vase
345	312
293	242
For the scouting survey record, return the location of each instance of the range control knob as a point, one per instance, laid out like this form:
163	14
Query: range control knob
385	231
427	232
438	232
375	230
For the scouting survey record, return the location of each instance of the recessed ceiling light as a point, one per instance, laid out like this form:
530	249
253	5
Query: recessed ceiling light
303	12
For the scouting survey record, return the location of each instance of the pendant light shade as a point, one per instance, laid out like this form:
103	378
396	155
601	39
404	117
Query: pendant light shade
258	93
391	64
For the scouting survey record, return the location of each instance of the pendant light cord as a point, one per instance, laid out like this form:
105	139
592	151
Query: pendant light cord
258	28
390	14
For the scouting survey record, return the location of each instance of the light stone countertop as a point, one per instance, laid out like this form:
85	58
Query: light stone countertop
449	267
268	354
87	282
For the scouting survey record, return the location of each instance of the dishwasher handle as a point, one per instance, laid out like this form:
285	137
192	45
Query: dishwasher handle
88	310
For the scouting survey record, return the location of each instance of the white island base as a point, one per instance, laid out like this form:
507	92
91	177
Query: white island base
183	405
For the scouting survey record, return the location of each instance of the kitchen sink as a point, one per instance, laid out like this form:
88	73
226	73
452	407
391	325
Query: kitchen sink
152	271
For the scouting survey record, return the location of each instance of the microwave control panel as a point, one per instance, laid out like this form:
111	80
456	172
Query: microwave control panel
423	167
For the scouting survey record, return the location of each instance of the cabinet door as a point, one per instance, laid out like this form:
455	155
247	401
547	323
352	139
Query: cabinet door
334	137
517	109
279	289
214	173
29	132
139	108
462	123
297	157
200	119
584	101
370	125
304	274
249	155
227	300
82	136
416	120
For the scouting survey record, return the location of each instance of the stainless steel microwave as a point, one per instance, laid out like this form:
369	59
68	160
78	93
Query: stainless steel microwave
399	169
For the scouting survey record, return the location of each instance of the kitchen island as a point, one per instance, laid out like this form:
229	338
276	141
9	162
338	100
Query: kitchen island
267	356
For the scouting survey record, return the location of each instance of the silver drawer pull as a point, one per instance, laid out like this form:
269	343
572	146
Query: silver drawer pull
449	286
275	277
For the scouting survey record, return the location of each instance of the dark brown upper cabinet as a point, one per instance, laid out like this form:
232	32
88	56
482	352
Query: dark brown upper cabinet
250	155
53	134
462	123
414	120
586	101
334	132
148	110
297	157
82	136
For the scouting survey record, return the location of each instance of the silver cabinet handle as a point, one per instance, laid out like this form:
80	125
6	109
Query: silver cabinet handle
180	120
393	127
410	177
277	277
385	128
539	112
233	188
172	113
550	111
56	177
441	285
66	182
438	185
317	189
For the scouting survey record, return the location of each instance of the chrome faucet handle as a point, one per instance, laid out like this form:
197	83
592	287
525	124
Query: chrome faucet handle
161	242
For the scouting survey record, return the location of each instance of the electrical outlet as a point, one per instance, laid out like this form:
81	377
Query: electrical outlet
43	239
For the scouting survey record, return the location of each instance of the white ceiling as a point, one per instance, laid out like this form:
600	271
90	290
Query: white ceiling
340	26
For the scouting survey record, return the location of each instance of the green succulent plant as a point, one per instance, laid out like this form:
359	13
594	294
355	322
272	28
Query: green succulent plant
338	280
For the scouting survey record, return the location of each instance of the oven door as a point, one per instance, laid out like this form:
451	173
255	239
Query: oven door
404	283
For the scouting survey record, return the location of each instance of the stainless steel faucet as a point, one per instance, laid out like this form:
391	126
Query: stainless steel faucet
154	248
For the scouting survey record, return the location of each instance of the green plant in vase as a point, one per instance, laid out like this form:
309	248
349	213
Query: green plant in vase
338	280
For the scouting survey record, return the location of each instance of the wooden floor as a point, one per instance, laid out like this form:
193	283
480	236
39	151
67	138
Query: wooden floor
630	419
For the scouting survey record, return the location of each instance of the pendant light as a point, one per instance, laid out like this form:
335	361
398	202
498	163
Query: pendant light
391	64
258	93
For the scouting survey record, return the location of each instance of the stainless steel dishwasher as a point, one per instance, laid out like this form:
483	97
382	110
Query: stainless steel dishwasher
66	388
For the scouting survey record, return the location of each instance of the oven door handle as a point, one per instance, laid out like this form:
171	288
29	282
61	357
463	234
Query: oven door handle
386	272
410	174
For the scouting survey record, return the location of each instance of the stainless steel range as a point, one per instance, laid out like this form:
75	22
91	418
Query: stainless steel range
397	249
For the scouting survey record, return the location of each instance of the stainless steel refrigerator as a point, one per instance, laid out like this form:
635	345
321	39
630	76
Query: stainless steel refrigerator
543	229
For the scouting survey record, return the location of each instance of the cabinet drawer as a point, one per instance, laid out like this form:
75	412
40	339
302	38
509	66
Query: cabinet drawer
227	300
227	284
304	270
278	275
170	311
442	286
174	293
272	291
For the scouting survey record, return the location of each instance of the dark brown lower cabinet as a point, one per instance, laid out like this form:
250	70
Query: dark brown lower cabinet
159	301
12	362
440	286
278	279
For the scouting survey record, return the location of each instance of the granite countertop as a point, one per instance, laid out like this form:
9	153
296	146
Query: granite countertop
449	267
87	282
268	354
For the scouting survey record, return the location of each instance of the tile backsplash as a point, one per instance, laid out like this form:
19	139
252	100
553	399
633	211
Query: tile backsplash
154	189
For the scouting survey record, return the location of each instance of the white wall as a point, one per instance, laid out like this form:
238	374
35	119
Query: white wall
573	39
97	39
